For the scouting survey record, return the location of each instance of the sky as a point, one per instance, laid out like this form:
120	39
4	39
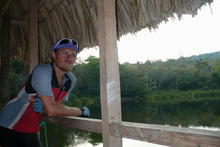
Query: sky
172	40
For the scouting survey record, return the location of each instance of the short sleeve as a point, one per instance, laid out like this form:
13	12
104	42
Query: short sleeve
41	80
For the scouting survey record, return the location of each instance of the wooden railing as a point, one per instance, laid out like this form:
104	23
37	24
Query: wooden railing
159	134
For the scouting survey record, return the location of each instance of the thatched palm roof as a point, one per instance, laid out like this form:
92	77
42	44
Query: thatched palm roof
77	19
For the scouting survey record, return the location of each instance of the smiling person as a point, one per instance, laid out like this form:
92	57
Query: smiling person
45	91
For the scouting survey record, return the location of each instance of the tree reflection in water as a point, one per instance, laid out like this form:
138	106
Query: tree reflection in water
186	114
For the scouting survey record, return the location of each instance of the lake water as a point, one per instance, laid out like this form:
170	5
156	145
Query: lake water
200	115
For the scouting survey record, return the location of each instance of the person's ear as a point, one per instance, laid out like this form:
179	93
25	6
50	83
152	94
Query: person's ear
53	55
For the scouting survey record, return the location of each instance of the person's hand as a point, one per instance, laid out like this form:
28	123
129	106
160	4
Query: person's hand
32	99
85	112
38	105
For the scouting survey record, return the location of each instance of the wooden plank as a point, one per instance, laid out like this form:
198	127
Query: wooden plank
16	22
166	135
109	70
92	125
19	22
33	34
5	54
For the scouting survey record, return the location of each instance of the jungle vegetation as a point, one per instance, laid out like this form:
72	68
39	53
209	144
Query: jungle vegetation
193	76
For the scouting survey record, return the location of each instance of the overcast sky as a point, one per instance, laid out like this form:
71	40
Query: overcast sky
190	36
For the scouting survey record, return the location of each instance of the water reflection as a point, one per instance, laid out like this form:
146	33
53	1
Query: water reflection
186	114
202	113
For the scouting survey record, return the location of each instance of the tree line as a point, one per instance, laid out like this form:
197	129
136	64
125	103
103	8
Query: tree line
140	79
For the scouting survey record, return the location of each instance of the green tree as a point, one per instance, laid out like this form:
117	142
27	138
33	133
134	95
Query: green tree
87	74
17	76
124	80
214	82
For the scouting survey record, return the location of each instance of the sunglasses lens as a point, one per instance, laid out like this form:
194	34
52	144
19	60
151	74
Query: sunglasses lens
75	43
65	41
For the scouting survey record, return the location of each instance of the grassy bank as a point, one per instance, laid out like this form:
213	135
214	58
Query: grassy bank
159	97
190	95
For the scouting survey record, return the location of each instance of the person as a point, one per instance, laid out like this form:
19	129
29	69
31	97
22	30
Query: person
44	92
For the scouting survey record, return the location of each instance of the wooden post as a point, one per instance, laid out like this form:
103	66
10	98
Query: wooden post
33	34
5	54
109	71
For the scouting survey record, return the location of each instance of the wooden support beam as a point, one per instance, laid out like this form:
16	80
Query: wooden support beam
33	34
109	70
19	22
16	22
5	54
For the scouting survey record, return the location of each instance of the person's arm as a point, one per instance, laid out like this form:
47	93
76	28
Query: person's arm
41	82
52	108
60	102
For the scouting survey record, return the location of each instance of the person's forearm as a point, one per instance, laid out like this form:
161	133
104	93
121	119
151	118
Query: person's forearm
58	109
62	110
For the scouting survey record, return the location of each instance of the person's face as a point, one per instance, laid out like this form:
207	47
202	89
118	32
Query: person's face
64	58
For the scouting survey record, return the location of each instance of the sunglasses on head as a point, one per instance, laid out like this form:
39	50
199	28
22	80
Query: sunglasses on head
66	41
